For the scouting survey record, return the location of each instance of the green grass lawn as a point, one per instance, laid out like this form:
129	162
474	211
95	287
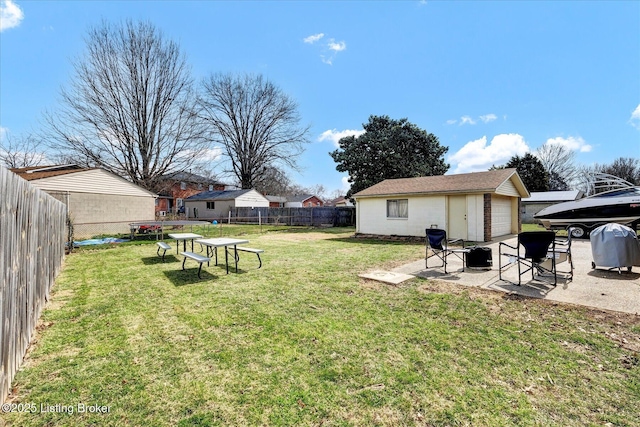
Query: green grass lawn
304	341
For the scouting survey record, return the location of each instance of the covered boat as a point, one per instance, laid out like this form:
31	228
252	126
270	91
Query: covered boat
619	203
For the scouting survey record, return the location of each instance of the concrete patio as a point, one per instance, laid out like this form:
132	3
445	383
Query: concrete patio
598	288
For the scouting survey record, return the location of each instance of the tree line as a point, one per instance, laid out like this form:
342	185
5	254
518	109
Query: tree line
133	108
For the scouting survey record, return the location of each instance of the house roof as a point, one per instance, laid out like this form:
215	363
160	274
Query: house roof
76	179
474	182
300	198
38	172
553	196
218	195
279	199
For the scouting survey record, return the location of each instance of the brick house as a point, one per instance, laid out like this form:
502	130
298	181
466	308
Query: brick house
303	201
180	186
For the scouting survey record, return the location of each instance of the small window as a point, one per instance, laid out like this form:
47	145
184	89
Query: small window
210	187
179	202
183	185
211	205
199	186
398	208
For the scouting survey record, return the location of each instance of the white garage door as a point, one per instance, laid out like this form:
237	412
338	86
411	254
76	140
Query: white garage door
500	216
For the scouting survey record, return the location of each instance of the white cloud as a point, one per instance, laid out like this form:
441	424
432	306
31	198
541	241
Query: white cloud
335	135
478	156
210	155
337	47
488	118
572	143
635	117
346	185
3	132
327	60
467	120
206	155
10	15
313	38
328	50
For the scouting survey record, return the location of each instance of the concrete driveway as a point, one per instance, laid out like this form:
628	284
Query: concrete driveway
597	288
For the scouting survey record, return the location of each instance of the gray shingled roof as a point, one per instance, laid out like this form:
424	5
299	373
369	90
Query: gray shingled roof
299	197
217	195
460	183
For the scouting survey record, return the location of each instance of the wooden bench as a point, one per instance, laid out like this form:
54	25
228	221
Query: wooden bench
252	250
198	258
164	246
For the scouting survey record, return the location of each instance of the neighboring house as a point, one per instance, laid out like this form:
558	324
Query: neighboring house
303	201
276	201
339	201
177	187
99	202
477	206
217	204
540	200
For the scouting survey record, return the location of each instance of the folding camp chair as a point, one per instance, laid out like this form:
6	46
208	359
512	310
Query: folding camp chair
539	248
439	245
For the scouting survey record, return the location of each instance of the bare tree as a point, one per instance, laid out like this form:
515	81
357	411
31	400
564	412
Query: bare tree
131	108
626	168
22	152
256	123
273	181
558	161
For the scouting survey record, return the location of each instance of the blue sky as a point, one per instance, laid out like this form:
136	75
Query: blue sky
489	79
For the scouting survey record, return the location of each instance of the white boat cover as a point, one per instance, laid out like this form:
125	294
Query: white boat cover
615	245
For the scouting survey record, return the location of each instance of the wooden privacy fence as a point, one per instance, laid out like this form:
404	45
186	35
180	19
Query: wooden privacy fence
32	238
318	216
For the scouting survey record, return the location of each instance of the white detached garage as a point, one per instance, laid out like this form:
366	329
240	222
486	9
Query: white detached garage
478	206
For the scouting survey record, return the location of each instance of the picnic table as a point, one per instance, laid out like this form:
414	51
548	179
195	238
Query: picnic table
184	237
215	243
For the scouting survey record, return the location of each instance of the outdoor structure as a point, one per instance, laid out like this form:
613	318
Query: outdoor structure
540	200
32	242
217	204
276	201
303	201
98	201
175	188
339	201
477	206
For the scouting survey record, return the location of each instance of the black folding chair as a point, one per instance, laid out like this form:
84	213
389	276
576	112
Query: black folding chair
539	247
562	252
439	245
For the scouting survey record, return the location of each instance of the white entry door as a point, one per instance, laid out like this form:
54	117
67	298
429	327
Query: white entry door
457	217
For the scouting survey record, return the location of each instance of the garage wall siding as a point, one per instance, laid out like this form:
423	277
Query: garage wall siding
252	199
423	212
507	189
95	181
221	210
501	216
